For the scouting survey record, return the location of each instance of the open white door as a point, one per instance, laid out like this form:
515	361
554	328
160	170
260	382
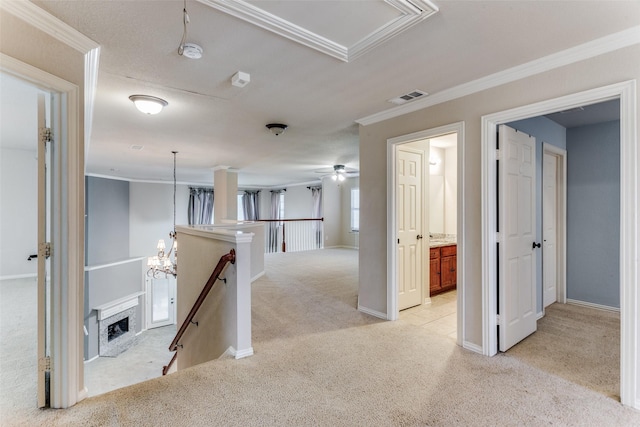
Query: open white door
549	229
409	169
44	252
517	245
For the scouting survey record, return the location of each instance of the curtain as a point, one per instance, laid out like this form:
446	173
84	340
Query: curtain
272	238
251	205
316	212
200	209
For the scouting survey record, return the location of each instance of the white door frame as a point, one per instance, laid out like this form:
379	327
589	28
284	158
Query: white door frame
561	215
392	286
629	217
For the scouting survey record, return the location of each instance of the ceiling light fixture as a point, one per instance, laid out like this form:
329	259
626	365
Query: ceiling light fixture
188	50
148	104
276	128
338	173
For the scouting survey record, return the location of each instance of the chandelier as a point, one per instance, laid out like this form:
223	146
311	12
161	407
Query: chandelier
166	263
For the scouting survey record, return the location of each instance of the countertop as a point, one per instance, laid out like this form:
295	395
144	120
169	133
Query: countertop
437	243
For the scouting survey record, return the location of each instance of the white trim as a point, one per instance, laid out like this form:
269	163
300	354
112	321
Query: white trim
471	346
113	264
392	286
592	305
240	354
257	276
92	359
18	276
117	306
540	315
561	212
371	312
581	52
231	233
629	239
412	12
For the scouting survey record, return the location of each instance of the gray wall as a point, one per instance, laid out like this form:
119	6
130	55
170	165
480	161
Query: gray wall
107	241
593	214
544	130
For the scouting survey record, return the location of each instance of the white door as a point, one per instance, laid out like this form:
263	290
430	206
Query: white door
409	167
161	302
517	246
549	229
45	149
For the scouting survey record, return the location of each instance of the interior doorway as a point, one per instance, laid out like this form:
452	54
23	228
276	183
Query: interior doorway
627	230
441	218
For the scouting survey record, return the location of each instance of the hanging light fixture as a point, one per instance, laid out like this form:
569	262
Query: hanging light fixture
166	263
148	104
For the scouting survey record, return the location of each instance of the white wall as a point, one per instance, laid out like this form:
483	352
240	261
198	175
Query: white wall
298	202
436	190
331	206
450	190
18	213
348	238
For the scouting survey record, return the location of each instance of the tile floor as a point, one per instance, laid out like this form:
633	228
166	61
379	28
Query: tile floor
439	317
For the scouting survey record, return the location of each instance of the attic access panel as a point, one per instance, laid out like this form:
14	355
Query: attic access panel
344	30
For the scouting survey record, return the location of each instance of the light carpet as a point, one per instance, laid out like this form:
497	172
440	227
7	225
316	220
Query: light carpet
318	361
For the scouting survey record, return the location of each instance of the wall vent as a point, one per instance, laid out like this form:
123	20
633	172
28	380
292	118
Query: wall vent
403	99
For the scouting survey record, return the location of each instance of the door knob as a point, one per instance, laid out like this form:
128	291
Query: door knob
536	245
419	236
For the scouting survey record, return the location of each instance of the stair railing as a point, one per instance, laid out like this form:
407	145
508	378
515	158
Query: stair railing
222	263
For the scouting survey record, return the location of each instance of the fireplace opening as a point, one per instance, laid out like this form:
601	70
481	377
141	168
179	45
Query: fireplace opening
118	328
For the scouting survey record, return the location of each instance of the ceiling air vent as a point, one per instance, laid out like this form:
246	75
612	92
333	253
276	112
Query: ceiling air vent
402	99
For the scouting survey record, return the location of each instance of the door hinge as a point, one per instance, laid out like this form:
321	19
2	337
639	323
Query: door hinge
497	154
44	364
497	236
44	250
498	319
46	135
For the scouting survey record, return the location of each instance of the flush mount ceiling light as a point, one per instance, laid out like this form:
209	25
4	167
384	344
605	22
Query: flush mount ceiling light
276	128
148	104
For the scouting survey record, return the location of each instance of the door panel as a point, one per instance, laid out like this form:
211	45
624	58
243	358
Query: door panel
549	229
161	307
516	188
409	219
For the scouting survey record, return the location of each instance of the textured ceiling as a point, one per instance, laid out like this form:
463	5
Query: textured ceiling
212	123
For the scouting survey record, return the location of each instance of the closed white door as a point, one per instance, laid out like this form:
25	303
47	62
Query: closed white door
549	229
517	245
409	169
161	302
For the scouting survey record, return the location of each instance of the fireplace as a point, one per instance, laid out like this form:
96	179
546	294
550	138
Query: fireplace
117	325
118	328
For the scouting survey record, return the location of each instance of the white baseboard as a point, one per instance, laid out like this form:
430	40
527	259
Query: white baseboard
91	360
19	276
237	354
373	313
592	305
472	347
540	315
257	276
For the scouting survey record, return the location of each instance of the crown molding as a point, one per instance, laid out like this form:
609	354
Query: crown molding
49	24
412	12
578	53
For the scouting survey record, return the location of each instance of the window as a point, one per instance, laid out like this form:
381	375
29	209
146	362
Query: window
281	205
240	207
355	209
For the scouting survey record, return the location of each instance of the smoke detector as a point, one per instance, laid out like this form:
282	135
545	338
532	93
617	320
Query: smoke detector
192	51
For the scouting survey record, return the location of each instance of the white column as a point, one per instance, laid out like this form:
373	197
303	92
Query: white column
225	191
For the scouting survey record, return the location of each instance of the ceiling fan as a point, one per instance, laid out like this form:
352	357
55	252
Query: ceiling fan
339	172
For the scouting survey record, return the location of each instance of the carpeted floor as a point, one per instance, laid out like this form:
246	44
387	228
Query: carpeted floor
318	361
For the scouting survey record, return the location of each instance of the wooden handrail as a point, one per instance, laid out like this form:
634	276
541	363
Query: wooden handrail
165	369
224	259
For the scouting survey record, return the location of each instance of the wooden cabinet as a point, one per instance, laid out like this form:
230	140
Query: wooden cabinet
442	261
